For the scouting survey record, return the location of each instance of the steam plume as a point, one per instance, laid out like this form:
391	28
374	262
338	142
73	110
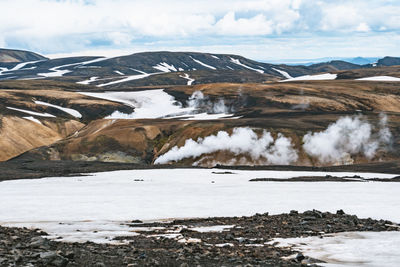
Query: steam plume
200	102
385	136
241	141
346	137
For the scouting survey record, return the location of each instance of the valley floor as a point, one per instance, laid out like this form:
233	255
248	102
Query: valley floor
34	169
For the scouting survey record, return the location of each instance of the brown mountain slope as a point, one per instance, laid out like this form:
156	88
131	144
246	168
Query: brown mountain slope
18	135
142	141
393	71
292	109
308	96
23	94
16	56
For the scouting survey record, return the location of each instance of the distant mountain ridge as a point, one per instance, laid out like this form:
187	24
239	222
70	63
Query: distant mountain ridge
163	68
104	71
333	66
389	61
308	62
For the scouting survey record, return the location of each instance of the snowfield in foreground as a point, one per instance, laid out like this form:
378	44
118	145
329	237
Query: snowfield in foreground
349	248
104	202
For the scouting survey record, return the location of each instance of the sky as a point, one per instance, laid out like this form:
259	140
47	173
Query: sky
258	29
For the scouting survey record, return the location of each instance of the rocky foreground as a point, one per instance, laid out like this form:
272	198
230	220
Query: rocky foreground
234	241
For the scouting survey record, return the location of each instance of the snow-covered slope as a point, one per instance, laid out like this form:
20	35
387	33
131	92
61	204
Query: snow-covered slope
151	104
123	69
167	68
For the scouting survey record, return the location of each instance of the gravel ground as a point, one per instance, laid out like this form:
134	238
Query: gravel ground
230	241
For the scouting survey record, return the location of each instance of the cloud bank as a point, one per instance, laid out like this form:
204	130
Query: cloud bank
50	26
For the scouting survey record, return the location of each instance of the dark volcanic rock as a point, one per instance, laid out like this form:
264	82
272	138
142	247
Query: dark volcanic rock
244	244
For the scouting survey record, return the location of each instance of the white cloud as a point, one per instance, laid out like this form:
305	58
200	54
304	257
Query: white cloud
363	27
342	17
41	18
357	15
257	25
119	38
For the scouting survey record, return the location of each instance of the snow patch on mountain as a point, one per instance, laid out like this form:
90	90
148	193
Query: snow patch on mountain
32	112
118	72
203	64
148	104
141	72
70	111
237	62
90	80
187	77
2	70
155	104
23	64
283	73
203	116
318	77
165	67
127	79
30	118
56	72
380	78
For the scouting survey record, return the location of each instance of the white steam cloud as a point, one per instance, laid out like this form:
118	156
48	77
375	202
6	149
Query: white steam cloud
200	102
242	141
346	137
385	136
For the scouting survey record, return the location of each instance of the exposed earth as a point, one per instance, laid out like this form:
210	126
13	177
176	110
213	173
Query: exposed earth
293	109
